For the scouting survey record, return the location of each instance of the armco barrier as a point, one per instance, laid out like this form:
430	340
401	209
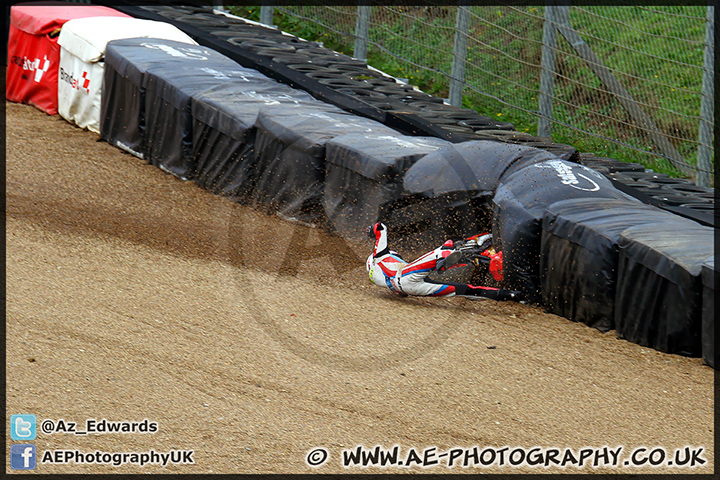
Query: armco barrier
659	289
579	255
518	208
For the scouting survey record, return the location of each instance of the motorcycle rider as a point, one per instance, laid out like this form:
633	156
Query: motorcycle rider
387	269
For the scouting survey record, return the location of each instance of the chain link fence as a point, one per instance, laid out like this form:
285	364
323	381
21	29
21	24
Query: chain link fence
630	82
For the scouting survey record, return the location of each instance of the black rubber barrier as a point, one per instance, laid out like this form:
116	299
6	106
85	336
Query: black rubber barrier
565	152
519	204
609	165
709	294
579	255
224	120
122	107
278	71
460	181
290	155
364	174
124	111
277	55
659	290
168	90
634	189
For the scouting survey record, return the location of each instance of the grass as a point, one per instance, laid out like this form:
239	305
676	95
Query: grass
655	52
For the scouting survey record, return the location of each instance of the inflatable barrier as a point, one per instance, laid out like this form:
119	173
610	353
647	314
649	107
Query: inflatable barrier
659	290
224	120
579	255
518	208
82	50
364	174
33	56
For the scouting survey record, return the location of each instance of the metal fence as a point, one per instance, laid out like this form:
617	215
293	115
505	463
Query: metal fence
630	82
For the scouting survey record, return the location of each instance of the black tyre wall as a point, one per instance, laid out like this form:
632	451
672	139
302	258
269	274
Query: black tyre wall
290	154
659	291
579	255
363	174
518	207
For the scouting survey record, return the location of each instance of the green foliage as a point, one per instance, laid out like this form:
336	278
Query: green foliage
654	52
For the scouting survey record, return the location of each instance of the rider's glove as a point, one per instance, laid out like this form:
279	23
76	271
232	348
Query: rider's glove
496	266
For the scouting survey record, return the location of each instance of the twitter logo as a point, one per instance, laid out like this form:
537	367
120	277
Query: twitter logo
23	427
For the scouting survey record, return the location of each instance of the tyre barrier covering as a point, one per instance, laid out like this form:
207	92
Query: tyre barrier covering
579	255
169	88
709	294
33	56
450	190
659	289
519	204
122	110
224	120
364	174
290	157
82	50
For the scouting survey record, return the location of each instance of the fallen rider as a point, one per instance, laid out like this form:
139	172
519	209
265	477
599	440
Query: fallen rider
387	269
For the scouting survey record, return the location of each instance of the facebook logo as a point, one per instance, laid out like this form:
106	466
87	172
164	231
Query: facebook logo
23	427
23	456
